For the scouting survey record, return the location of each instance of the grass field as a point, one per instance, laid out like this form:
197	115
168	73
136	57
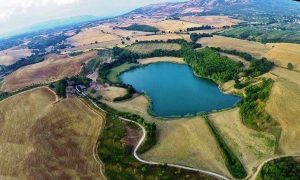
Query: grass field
12	55
174	25
40	139
284	107
54	68
146	48
161	59
291	76
216	21
252	147
91	35
114	72
179	141
254	48
280	53
111	93
163	37
284	53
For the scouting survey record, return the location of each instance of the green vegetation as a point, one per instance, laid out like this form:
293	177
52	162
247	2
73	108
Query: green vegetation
208	63
4	95
130	92
257	66
149	127
77	53
139	27
290	66
233	164
119	162
266	33
204	27
115	72
252	109
284	168
195	36
60	87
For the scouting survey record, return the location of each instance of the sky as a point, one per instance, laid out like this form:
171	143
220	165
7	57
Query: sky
18	14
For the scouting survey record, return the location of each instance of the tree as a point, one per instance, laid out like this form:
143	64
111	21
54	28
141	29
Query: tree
290	66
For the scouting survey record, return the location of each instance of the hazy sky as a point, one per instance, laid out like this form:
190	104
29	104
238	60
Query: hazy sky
16	14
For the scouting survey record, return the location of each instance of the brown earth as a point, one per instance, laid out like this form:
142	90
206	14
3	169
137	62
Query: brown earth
52	69
41	139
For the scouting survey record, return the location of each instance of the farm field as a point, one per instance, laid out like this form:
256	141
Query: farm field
91	35
174	25
254	48
146	48
284	53
41	139
280	53
179	141
216	21
113	74
291	76
163	37
252	147
54	68
111	93
161	59
12	55
284	106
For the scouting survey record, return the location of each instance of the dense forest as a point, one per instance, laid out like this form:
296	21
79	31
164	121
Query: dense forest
139	27
284	168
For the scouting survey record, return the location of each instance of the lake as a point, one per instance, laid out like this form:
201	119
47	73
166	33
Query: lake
175	91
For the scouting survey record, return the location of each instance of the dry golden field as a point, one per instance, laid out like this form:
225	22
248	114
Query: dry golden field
12	55
54	68
111	93
161	59
291	76
284	106
91	35
174	25
216	21
145	48
163	37
41	139
254	48
252	147
185	141
284	53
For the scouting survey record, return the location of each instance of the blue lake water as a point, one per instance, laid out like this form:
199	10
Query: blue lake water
175	91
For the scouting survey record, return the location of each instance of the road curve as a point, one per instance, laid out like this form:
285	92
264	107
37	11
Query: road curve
142	140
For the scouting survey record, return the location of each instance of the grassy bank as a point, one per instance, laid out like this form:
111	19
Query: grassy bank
233	164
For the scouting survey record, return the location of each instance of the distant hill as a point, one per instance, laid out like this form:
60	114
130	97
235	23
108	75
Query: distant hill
53	24
217	6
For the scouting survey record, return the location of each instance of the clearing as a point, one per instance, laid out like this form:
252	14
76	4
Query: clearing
52	69
146	48
41	139
110	93
179	141
252	147
216	21
12	55
115	72
254	48
284	53
284	106
161	59
163	37
280	53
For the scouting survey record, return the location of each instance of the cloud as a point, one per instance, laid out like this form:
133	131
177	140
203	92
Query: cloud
9	8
